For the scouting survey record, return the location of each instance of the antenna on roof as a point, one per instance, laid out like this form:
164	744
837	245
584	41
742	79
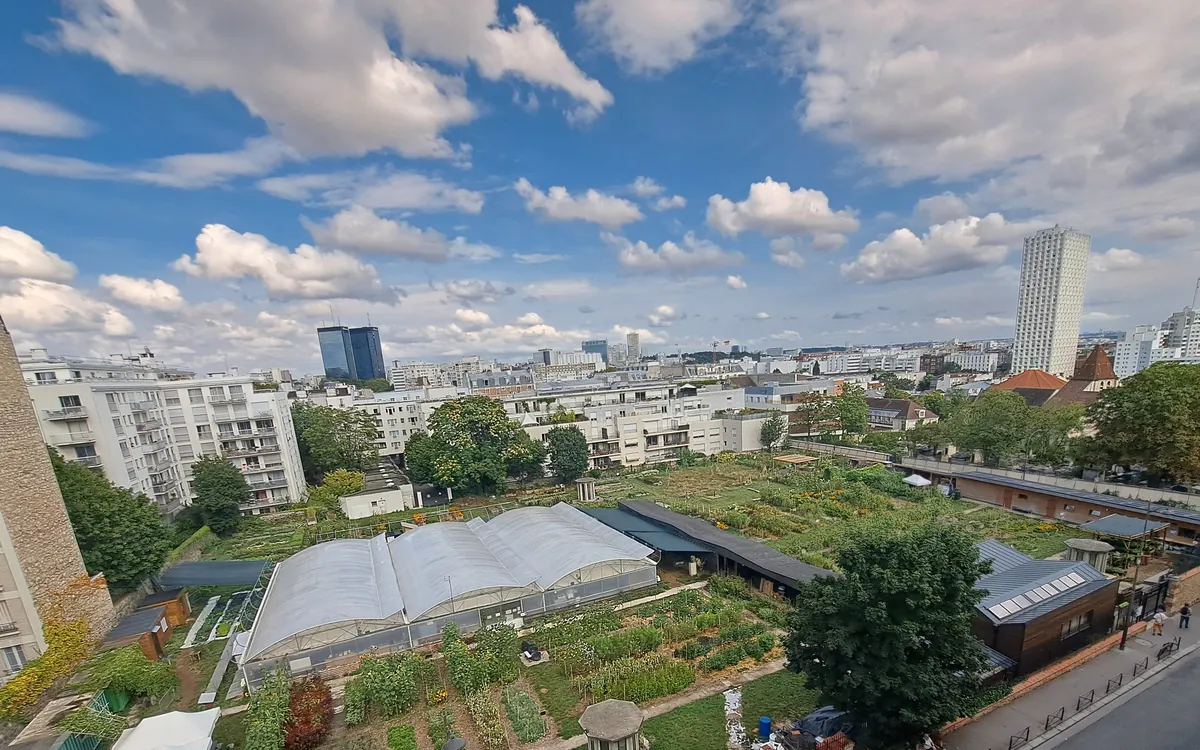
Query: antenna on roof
1196	292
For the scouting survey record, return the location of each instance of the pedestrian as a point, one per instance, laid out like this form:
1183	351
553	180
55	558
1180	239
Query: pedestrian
1159	618
1185	615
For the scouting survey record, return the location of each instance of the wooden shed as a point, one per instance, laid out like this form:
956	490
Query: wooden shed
176	602
149	628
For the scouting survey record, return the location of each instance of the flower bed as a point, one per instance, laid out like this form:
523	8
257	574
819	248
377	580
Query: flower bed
524	714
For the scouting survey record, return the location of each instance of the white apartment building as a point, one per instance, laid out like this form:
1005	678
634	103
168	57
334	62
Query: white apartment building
633	347
852	362
143	425
551	357
1182	331
1176	339
435	374
398	414
1136	350
566	371
1050	301
976	361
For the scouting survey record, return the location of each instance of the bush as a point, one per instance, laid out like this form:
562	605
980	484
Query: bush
269	708
667	679
486	715
497	645
356	702
623	643
402	737
734	587
441	726
525	715
129	671
392	684
309	715
693	650
736	519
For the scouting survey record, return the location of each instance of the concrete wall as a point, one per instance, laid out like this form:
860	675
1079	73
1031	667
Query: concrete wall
375	503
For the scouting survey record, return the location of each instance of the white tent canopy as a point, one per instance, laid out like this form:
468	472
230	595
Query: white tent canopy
174	731
916	480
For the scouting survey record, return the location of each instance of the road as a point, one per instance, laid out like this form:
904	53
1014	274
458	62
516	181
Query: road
1163	717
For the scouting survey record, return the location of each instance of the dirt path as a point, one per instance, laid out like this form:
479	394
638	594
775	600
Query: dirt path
188	672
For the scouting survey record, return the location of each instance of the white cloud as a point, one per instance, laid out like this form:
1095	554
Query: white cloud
1165	228
645	187
21	256
666	204
1098	316
306	273
665	315
25	114
762	316
42	306
735	282
470	291
557	204
535	258
773	209
359	229
1085	113
938	209
530	319
374	188
185	171
827	241
558	289
645	335
1116	259
785	251
472	319
323	76
150	294
986	321
654	36
952	246
693	255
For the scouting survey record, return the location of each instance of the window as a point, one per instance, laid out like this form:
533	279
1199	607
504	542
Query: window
67	402
1076	625
14	658
195	395
235	391
117	426
217	393
204	431
124	449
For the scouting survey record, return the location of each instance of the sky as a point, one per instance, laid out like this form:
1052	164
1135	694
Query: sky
213	179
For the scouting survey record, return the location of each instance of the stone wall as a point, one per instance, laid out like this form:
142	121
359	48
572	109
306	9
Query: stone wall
1184	589
48	555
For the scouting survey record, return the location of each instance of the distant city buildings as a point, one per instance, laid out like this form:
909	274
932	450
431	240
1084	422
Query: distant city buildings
633	347
354	353
1050	301
597	346
975	360
1176	339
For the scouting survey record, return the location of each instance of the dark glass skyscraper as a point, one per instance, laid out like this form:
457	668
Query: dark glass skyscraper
368	352
597	346
336	353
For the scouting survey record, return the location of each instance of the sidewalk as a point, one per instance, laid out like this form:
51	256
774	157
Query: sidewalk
994	730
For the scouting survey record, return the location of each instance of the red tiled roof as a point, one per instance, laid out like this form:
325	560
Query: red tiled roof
1037	380
1097	366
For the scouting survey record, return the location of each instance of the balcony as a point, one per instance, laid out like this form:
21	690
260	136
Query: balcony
153	446
92	462
231	399
149	425
614	447
74	438
67	412
8	627
663	430
266	502
269	484
252	451
143	405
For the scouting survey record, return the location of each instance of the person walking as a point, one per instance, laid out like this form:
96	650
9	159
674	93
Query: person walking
1185	615
1156	626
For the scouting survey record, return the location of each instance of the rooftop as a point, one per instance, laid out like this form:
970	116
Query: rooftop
611	720
1021	589
1138	507
1123	527
1033	380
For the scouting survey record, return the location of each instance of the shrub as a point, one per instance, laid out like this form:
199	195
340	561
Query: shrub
679	630
91	723
402	737
631	642
734	587
497	645
356	701
486	715
726	657
736	519
441	726
309	714
693	650
268	713
391	684
129	671
468	672
643	685
525	715
741	632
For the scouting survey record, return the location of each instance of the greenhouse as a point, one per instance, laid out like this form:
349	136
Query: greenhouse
329	603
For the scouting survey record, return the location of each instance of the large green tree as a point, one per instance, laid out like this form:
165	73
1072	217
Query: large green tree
221	490
473	445
815	413
1048	433
773	431
852	410
568	453
336	484
890	639
119	533
946	406
331	439
1153	420
996	424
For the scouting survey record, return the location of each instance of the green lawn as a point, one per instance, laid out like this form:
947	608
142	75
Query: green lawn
230	729
554	692
783	695
695	726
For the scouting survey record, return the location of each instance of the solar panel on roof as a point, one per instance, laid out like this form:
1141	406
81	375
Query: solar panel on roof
1011	606
1078	579
998	611
1036	595
1065	582
1022	601
1048	590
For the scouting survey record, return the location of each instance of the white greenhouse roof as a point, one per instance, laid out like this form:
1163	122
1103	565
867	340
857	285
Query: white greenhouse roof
380	581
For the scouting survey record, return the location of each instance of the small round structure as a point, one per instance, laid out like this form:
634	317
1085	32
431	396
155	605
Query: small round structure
1091	551
612	725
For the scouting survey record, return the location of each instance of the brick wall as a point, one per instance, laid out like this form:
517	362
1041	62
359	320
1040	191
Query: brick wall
1184	589
33	508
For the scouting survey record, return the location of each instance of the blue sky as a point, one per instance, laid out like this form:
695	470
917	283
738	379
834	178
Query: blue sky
209	177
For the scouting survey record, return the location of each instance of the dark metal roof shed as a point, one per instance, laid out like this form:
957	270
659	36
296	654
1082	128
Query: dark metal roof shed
213	573
1124	527
648	533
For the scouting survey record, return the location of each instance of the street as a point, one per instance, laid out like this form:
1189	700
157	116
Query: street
1164	717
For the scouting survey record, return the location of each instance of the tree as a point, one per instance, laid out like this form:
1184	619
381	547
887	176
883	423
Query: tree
815	412
926	382
886	441
945	406
1049	431
331	439
930	434
890	640
852	410
221	490
472	445
996	425
337	484
119	533
773	430
816	370
1153	420
568	453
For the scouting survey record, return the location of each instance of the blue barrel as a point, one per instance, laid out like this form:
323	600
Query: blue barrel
764	727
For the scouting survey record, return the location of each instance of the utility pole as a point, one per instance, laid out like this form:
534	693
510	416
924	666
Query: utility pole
1137	567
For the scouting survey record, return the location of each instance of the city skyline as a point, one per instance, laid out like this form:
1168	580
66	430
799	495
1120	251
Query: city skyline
737	175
